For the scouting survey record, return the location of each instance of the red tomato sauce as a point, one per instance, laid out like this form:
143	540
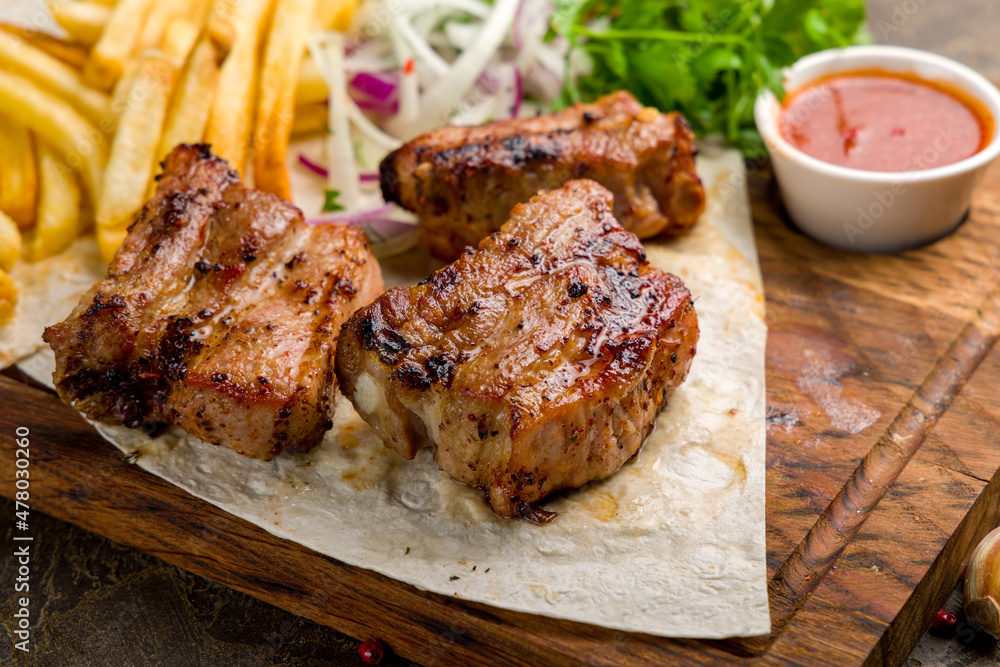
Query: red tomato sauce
882	121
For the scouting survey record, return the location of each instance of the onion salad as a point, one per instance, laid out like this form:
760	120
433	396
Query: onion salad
410	66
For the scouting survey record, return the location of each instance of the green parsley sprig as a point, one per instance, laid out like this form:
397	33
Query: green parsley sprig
705	58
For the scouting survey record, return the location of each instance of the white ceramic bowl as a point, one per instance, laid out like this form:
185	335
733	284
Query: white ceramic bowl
871	211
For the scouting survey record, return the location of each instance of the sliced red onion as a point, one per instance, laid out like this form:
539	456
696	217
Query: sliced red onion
380	108
518	93
369	176
378	87
312	166
530	24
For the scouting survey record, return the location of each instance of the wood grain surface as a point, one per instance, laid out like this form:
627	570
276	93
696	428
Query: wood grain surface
882	474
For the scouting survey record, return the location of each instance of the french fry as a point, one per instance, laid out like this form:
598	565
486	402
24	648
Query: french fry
74	55
335	14
133	150
81	143
310	119
163	14
8	298
286	45
18	173
178	40
311	87
58	222
117	43
221	24
24	58
84	21
229	125
10	242
192	99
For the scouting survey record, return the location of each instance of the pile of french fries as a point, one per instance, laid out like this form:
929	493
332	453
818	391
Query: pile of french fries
85	121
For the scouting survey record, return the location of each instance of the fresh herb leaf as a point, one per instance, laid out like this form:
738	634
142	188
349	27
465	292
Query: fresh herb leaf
706	58
330	201
407	552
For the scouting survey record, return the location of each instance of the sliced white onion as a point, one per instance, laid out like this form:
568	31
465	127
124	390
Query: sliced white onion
425	56
328	52
477	8
448	92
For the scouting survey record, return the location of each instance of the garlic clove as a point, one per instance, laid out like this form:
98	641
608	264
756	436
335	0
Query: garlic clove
982	585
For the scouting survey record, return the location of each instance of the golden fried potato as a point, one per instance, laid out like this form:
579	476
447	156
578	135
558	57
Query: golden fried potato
81	143
10	242
59	221
311	88
84	21
286	43
22	57
230	123
8	298
335	14
74	55
310	119
133	150
191	104
117	43
18	173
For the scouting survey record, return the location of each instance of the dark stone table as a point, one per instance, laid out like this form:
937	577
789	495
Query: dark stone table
97	603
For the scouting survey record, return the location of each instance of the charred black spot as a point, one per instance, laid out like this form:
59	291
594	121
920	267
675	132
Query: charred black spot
202	266
297	258
536	259
263	380
116	302
673	357
473	309
444	278
389	344
523	150
577	288
441	369
482	428
412	376
219	377
426	280
285	412
513	242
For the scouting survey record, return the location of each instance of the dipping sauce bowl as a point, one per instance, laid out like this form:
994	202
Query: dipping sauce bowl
880	211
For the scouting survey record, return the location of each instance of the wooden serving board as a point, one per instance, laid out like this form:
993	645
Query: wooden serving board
883	472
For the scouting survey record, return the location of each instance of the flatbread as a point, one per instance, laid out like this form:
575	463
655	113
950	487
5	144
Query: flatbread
673	544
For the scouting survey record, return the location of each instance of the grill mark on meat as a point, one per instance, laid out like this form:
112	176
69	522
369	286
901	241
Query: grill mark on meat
189	334
463	182
555	344
388	343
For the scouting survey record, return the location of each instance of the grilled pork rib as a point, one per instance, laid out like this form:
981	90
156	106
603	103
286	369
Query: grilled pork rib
533	364
219	314
464	181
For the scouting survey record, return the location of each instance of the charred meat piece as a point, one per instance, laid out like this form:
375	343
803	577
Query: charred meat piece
464	181
219	314
533	364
